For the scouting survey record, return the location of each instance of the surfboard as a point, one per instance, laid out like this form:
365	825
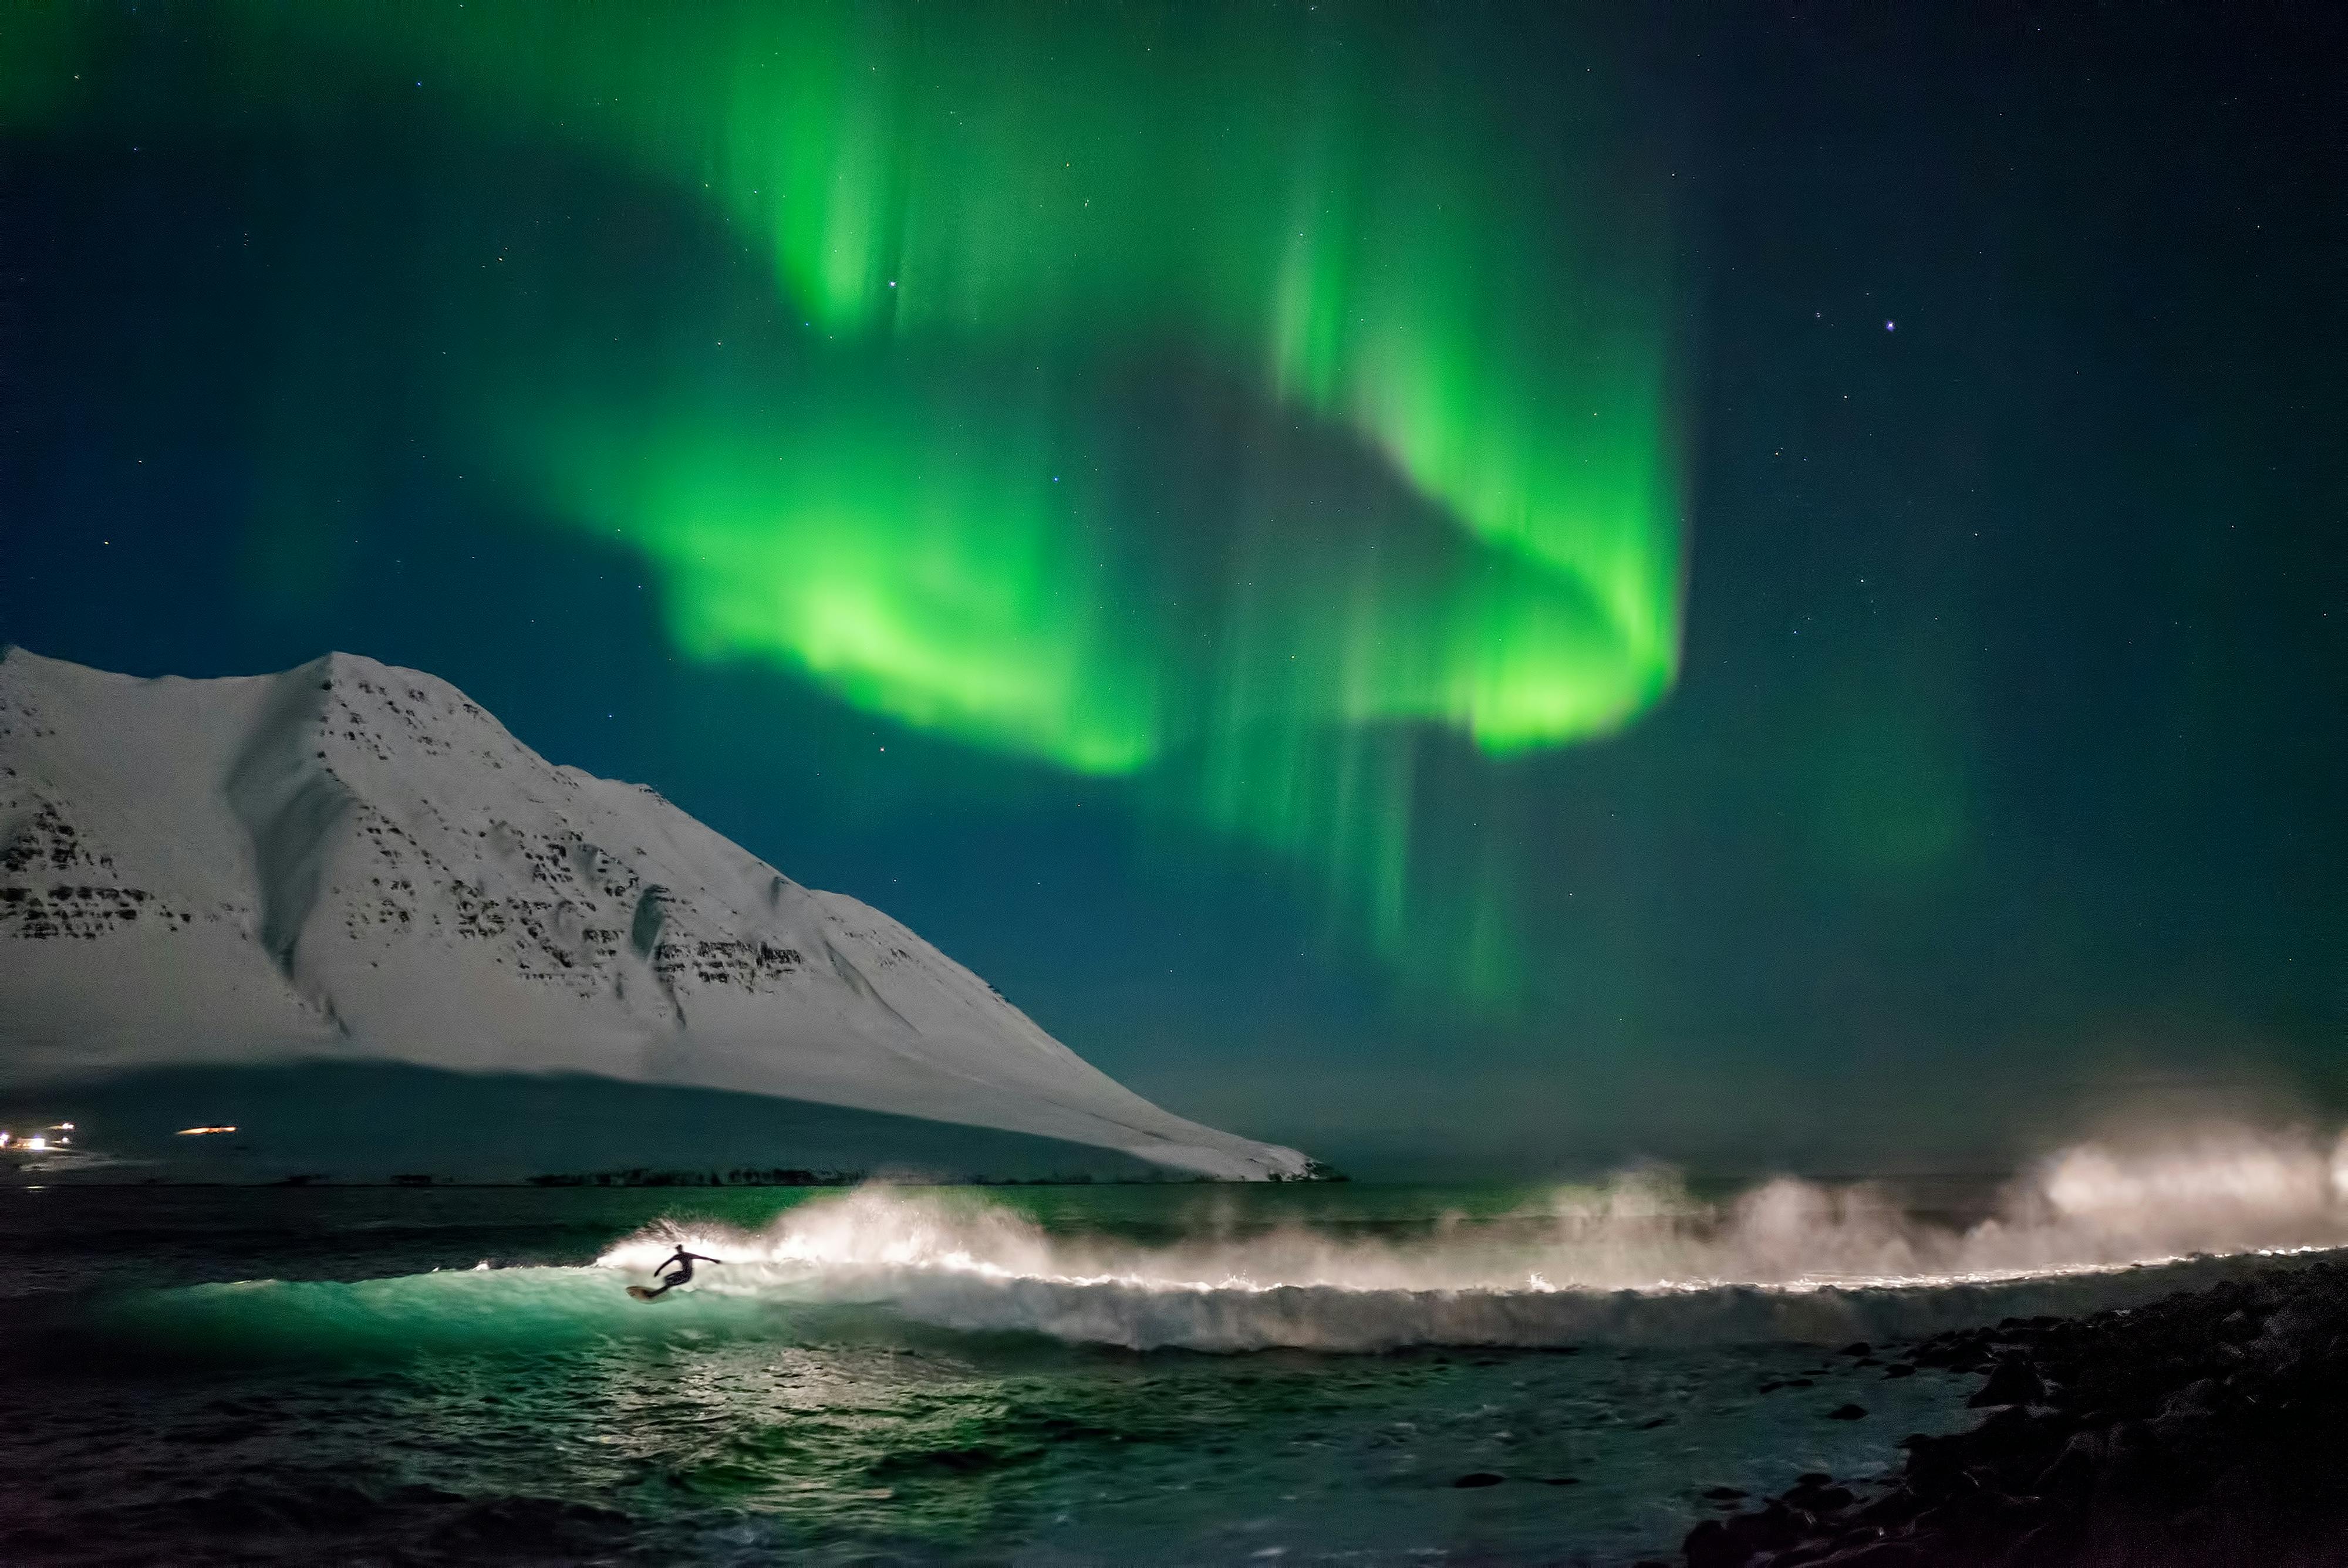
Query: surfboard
642	1294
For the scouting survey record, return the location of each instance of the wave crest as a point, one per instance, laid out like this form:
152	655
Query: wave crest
1633	1258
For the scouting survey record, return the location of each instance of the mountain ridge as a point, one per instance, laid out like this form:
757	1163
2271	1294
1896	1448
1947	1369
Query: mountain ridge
352	861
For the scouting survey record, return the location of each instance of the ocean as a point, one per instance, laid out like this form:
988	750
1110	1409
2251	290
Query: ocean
1355	1374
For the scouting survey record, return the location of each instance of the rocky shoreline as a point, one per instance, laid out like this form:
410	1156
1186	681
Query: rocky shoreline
2200	1431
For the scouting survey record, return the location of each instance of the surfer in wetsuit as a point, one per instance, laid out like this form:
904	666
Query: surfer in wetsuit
685	1261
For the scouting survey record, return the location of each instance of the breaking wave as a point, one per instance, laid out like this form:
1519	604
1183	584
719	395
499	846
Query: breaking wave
1635	1259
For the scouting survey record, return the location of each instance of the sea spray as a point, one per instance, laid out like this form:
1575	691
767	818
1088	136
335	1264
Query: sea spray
1634	1259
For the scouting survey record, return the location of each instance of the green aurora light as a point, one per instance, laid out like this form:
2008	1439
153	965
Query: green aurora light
926	486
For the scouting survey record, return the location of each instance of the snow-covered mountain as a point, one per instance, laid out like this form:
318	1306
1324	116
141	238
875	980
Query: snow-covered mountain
352	863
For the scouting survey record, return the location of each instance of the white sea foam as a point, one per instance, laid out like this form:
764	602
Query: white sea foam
1635	1258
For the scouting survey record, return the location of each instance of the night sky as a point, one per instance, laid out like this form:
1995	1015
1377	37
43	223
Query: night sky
1469	588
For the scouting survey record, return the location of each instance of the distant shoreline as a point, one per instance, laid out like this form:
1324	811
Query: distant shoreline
680	1181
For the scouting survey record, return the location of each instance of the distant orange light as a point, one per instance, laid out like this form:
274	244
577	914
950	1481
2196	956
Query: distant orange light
200	1132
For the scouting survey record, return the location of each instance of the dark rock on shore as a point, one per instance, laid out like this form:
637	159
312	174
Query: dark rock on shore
2013	1381
2199	1432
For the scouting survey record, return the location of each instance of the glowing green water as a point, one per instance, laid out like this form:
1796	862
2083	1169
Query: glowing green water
323	1407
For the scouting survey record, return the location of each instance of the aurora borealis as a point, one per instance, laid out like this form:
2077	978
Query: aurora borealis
1409	515
1004	234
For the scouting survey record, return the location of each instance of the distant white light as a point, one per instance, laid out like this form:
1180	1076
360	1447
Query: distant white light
1891	327
200	1132
36	1141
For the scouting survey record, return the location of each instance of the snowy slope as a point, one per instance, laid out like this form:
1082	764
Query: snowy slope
350	861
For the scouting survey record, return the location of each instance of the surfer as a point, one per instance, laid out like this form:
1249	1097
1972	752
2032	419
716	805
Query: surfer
683	1260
